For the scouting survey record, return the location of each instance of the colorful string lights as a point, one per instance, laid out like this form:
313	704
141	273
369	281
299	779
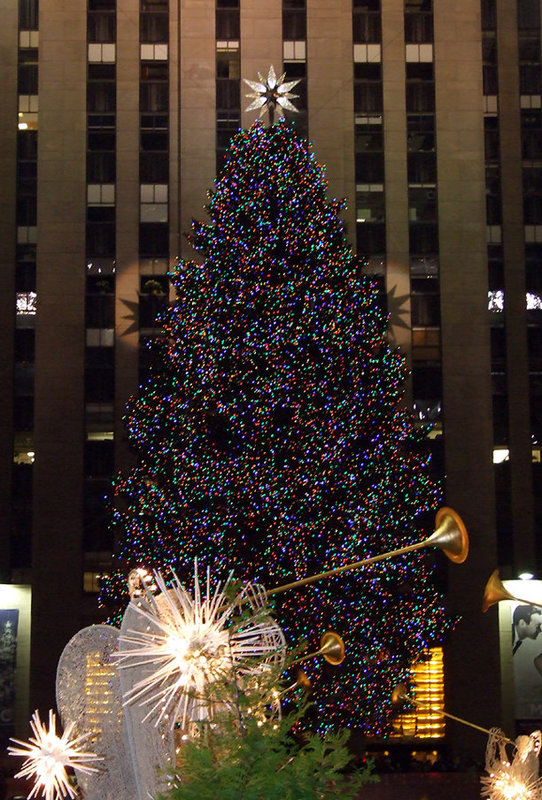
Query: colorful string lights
271	436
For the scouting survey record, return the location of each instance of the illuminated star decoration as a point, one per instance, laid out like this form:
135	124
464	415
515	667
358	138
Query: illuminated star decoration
516	778
48	755
270	93
193	642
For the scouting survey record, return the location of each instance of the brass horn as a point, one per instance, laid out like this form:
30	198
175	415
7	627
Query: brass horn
450	536
302	682
494	592
331	647
399	696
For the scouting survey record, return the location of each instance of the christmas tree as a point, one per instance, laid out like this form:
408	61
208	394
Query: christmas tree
271	436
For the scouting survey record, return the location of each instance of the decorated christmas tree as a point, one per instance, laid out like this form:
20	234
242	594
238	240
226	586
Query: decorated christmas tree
272	438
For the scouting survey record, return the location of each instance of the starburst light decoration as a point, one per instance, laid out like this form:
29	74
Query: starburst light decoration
513	778
48	755
187	644
271	93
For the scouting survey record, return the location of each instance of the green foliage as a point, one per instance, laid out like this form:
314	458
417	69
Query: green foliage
246	759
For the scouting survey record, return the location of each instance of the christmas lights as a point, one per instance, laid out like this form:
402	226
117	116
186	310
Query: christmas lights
271	436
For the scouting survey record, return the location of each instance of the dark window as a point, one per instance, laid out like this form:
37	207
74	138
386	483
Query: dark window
153	167
420	97
23	415
227	24
228	94
27	145
367	97
101	140
418	28
419	71
100	240
153	5
24	345
370	238
153	240
369	168
99	375
493	195
491	139
102	5
369	138
422	167
154	27
100	311
28	71
101	97
490	80
26	210
530	79
154	71
226	126
533	268
102	26
423	238
154	140
99	458
528	15
294	24
366	26
425	300
531	134
489	15
427	383
28	15
101	167
25	276
153	96
534	341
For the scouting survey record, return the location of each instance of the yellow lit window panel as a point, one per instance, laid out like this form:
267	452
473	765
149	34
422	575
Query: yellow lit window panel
427	688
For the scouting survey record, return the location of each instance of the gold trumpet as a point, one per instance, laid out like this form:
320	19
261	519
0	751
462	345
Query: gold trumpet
450	536
399	696
302	682
494	592
331	647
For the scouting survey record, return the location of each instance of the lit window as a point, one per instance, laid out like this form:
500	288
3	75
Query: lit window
101	53
426	719
366	52
294	51
154	52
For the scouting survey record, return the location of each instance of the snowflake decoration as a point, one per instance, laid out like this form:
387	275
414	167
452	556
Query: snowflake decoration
515	778
191	643
48	755
270	93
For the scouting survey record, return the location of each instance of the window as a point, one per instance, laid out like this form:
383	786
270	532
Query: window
369	135
227	23
28	15
423	237
369	167
153	240
154	166
228	95
422	167
227	61
101	167
294	23
154	27
366	23
101	26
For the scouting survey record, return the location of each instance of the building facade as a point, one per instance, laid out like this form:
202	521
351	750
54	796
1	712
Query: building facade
115	118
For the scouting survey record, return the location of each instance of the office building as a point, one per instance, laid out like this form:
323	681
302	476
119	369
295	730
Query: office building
114	119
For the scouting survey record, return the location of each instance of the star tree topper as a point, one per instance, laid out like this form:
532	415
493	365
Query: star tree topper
271	93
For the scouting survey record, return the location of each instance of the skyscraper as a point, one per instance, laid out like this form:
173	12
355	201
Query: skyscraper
114	121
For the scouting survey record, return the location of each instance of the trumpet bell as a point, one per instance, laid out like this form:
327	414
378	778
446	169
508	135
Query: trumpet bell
450	535
494	592
398	696
332	648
